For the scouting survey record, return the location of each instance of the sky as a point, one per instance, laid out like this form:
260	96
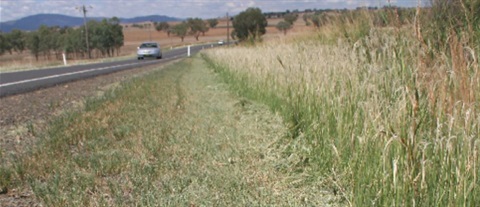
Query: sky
16	9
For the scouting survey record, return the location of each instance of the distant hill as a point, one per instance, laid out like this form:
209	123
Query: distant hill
155	18
33	22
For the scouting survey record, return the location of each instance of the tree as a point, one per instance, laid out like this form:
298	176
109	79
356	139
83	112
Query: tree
46	36
212	22
117	33
99	37
70	36
33	44
250	23
57	41
180	30
169	31
284	26
197	27
16	38
291	18
3	44
106	36
163	26
75	42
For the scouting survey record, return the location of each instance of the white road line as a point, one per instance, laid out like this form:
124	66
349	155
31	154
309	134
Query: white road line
65	74
73	73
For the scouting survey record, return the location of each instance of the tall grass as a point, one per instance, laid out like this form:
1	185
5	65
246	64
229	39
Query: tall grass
381	126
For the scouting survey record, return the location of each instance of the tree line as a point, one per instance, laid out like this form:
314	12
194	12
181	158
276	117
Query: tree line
105	39
192	26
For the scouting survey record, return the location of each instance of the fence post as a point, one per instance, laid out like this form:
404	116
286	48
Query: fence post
64	59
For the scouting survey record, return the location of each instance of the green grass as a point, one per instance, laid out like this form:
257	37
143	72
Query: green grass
176	137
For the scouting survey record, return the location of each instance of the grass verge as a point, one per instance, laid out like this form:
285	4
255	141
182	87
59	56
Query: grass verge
176	137
366	118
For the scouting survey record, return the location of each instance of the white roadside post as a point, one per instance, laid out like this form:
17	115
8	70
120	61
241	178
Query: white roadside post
189	51
64	59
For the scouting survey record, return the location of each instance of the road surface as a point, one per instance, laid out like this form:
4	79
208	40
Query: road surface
25	81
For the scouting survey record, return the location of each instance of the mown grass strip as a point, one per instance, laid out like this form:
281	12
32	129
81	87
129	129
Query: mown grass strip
176	137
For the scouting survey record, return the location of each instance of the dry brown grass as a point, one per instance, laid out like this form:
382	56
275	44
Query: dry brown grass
379	115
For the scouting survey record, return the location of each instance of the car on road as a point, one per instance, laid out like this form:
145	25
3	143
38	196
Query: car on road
221	42
149	49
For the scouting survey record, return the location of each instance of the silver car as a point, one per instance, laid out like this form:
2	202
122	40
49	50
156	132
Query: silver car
149	49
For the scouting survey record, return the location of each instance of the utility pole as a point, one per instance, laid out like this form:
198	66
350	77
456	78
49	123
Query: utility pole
84	10
228	30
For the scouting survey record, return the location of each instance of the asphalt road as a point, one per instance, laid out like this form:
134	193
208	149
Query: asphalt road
25	81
